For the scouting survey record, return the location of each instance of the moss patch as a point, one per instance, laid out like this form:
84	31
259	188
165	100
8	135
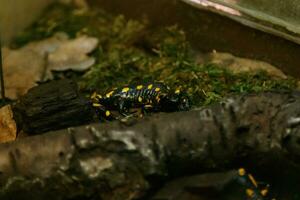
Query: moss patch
131	52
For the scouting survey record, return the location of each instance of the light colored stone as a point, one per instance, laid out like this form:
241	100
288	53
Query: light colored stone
8	127
238	65
21	69
65	54
72	54
35	62
47	46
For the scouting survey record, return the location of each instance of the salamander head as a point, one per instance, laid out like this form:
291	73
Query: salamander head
176	101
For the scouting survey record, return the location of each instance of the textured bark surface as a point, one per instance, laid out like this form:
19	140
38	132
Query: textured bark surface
51	106
122	160
209	186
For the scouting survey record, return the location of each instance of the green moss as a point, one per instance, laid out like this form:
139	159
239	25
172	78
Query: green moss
131	52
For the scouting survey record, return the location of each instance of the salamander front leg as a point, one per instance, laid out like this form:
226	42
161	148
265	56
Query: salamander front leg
123	109
102	112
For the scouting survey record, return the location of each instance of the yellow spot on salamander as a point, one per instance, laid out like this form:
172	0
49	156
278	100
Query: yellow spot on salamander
140	99
99	96
264	192
242	172
157	89
109	94
139	87
96	105
150	87
158	99
93	96
126	89
107	113
249	192
253	181
177	91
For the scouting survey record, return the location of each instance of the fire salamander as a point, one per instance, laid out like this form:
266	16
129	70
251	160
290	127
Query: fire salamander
253	190
150	97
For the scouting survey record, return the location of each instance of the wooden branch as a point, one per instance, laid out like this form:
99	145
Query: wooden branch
121	160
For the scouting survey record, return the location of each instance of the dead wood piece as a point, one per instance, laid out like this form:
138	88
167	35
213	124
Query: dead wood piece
118	161
52	106
8	128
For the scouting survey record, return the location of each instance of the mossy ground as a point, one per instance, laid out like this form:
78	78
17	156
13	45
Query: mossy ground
131	52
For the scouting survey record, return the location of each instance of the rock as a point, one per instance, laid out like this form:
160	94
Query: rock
72	54
65	54
8	128
35	62
49	45
238	65
21	69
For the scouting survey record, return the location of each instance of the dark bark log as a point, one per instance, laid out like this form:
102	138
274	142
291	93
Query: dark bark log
51	106
209	186
120	160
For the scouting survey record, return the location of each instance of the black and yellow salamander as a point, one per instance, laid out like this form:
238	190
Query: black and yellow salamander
253	189
150	97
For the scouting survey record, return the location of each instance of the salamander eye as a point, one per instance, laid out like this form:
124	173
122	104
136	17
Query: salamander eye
176	102
177	91
184	103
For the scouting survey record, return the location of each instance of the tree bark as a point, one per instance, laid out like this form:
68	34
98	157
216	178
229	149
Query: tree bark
122	160
51	106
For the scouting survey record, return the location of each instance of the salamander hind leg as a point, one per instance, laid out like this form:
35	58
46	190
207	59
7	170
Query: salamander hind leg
102	112
147	108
